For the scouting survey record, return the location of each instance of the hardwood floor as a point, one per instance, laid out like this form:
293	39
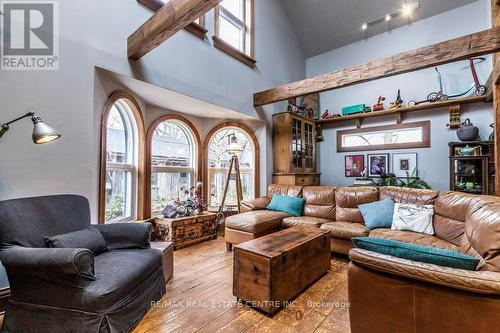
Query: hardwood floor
199	299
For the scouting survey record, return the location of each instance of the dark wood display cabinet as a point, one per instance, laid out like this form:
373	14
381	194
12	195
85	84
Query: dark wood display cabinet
472	168
294	150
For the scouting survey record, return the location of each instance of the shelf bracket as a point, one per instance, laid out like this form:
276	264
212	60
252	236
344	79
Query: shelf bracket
454	116
399	117
357	122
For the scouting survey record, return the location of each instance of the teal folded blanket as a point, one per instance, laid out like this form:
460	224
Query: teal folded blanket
427	254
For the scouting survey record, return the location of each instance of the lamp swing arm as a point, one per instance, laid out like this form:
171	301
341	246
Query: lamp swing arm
41	132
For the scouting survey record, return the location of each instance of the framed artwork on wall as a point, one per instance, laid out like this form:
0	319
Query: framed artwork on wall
378	164
403	164
354	165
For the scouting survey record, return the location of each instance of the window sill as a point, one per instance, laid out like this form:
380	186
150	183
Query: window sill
235	53
197	30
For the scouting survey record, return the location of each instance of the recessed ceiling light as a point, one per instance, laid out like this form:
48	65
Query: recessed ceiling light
364	26
388	17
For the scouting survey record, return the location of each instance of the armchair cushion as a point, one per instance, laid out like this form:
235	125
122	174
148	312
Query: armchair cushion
483	282
126	235
419	253
89	238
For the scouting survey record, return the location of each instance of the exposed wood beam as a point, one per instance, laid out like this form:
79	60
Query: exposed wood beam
489	88
484	42
169	19
495	19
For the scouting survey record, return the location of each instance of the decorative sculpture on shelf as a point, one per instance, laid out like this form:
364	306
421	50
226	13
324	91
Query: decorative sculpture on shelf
380	104
398	103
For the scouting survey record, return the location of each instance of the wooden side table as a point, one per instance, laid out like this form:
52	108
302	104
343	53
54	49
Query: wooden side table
167	250
186	231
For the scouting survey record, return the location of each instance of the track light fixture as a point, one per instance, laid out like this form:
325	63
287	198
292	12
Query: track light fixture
407	11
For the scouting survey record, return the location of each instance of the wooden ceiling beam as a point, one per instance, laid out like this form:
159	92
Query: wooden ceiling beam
168	20
480	43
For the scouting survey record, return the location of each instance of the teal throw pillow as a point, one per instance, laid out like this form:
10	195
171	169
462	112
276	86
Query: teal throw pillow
378	214
427	254
290	205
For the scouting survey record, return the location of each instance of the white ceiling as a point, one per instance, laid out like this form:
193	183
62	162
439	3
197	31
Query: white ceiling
324	25
171	100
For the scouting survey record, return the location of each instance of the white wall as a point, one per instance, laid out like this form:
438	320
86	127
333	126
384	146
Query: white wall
433	162
93	33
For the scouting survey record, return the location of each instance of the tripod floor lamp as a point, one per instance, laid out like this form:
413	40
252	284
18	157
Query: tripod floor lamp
234	148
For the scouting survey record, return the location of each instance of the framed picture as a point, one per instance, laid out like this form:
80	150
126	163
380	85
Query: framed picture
354	165
378	164
403	164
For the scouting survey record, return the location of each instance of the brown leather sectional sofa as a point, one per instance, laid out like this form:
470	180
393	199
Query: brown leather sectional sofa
389	294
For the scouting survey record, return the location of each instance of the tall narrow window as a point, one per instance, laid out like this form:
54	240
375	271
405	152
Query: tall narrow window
173	163
233	28
121	164
219	161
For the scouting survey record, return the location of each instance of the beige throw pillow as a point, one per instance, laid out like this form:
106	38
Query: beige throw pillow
415	218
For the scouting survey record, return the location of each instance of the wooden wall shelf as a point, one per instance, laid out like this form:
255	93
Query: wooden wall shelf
451	103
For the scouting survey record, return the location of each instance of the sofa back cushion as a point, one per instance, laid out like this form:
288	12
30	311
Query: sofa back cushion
26	221
347	200
287	190
482	230
450	210
409	195
320	201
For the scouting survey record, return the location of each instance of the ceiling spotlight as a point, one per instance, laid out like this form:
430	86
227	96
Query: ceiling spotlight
408	9
388	17
364	26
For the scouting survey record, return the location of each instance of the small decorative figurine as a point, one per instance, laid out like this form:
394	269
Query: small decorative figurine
325	115
380	104
398	103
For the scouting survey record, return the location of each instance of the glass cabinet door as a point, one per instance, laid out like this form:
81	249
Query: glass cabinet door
308	146
296	143
468	175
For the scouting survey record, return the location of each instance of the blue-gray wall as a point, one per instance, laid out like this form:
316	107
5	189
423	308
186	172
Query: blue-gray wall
433	162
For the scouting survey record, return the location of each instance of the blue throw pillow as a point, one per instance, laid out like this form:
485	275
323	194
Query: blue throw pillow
290	205
427	254
378	214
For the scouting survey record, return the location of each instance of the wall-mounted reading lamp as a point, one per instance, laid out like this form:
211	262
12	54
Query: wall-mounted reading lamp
42	133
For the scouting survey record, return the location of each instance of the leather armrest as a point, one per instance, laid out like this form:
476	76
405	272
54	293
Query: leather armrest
484	282
126	235
257	203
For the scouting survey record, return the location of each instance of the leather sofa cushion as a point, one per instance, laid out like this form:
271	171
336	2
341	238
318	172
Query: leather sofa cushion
409	195
346	230
413	238
482	230
320	201
118	273
347	200
310	221
474	281
450	210
257	203
288	190
256	222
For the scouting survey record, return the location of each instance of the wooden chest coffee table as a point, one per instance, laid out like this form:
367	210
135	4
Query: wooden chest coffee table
270	271
186	231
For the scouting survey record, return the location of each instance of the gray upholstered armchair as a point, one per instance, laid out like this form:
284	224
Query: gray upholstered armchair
70	289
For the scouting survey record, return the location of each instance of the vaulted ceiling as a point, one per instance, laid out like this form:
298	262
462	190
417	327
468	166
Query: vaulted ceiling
324	25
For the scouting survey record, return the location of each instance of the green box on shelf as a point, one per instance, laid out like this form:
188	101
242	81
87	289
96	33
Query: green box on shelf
353	109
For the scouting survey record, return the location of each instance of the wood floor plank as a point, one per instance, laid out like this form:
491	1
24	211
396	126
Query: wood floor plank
199	299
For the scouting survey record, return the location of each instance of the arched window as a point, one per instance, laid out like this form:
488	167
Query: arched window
173	161
219	161
121	160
